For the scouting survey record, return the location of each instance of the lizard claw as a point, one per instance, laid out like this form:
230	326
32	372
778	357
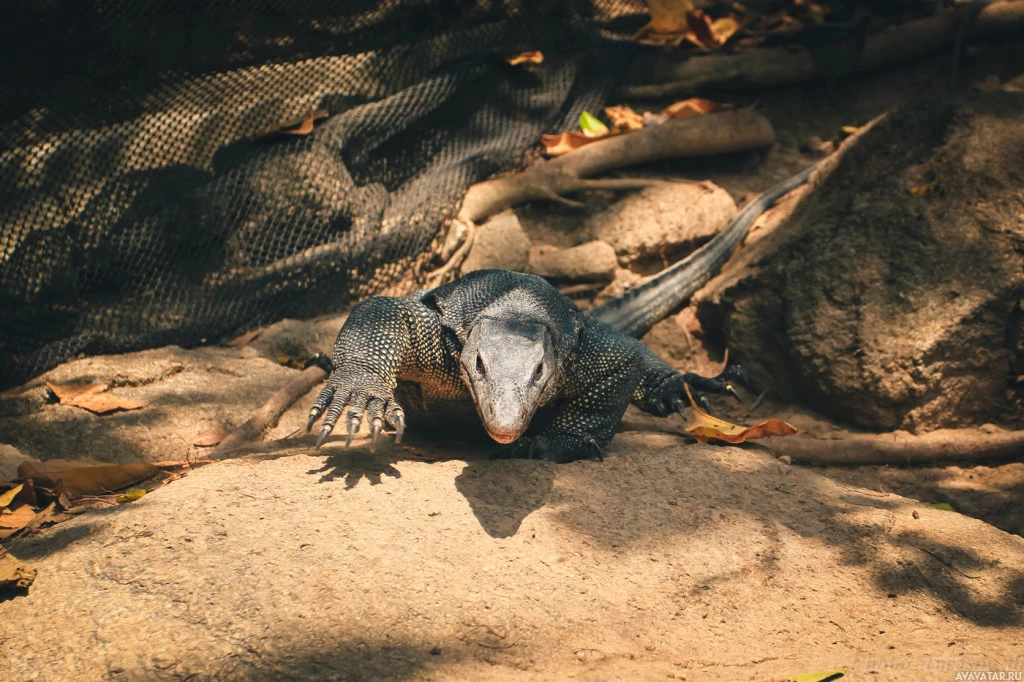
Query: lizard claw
314	414
324	432
399	426
375	429
353	426
733	392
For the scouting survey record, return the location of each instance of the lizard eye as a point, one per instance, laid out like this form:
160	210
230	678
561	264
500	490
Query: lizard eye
538	373
480	366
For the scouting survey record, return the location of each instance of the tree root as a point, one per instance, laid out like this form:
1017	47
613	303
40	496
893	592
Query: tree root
704	135
665	74
945	445
267	415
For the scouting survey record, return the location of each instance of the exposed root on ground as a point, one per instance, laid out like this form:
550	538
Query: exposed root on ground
705	135
665	74
945	445
267	415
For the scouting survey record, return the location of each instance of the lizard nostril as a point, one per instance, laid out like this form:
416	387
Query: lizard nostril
480	366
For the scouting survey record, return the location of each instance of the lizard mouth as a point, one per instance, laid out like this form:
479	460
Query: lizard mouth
503	437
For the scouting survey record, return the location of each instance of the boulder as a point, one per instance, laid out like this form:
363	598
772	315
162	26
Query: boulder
893	296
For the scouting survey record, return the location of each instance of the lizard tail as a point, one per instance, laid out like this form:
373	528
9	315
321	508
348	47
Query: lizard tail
640	308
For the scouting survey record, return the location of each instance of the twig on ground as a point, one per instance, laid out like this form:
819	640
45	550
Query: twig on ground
705	135
267	415
945	445
664	74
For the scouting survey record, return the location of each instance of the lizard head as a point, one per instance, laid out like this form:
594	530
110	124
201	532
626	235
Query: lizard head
507	366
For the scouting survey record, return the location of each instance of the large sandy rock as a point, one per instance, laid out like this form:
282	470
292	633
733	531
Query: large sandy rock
893	296
667	559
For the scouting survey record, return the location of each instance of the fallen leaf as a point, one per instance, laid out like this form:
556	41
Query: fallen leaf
16	520
15	574
244	338
668	16
624	118
942	506
563	143
93	397
850	130
41	470
131	495
90	479
700	32
826	676
705	428
592	125
724	28
921	190
531	57
300	126
8	497
46	517
209	438
693	106
68	392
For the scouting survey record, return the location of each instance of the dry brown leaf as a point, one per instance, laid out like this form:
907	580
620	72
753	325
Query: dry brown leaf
46	517
42	470
209	438
624	118
705	428
701	33
16	520
13	573
244	338
693	106
531	57
87	480
921	190
667	16
563	143
93	397
8	496
300	126
724	28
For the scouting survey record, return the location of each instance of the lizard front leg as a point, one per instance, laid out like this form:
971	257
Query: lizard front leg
382	339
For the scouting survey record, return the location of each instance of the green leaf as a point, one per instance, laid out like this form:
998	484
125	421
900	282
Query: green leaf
591	125
944	506
131	495
826	676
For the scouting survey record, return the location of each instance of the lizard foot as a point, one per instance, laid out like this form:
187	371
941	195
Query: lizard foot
553	447
365	395
671	397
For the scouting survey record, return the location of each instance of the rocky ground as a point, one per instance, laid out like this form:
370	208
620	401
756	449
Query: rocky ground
871	307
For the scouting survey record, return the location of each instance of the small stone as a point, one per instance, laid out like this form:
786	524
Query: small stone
663	218
786	459
436	651
591	262
501	242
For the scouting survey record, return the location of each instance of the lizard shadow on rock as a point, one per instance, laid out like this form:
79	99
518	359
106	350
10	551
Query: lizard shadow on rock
503	493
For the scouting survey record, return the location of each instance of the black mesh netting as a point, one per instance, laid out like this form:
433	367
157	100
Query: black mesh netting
139	206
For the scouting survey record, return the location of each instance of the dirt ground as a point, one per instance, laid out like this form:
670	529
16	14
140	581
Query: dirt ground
669	560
